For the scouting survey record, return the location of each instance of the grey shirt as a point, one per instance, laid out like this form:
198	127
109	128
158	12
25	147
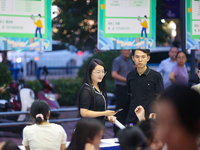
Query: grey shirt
123	67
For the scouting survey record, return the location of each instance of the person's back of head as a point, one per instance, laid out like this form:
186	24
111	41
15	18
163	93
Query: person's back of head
85	132
148	127
187	104
10	145
179	117
39	111
132	138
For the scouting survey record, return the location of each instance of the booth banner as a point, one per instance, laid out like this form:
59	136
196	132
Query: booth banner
25	25
126	24
193	24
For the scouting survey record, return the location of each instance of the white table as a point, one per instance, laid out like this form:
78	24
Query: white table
107	144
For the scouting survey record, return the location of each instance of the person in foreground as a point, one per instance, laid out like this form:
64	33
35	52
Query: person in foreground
43	135
132	138
92	97
87	135
8	145
179	117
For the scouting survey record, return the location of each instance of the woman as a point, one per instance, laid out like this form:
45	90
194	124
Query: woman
42	134
87	135
179	118
179	73
92	97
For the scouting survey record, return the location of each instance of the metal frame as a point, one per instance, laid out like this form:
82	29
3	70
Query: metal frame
12	124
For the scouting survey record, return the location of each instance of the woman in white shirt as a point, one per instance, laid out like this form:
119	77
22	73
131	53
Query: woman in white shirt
43	135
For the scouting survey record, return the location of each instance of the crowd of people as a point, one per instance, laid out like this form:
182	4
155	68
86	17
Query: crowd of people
160	111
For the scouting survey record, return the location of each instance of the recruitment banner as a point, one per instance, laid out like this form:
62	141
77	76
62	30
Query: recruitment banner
126	24
193	24
25	25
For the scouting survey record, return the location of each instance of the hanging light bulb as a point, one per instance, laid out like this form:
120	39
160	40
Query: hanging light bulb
87	2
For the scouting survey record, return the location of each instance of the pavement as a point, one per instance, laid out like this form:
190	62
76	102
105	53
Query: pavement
68	126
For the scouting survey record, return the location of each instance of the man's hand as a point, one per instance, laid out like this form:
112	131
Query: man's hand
139	111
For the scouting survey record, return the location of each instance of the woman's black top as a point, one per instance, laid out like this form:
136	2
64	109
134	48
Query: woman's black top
87	101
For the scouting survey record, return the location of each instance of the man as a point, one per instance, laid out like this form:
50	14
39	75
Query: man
143	84
121	66
5	60
166	66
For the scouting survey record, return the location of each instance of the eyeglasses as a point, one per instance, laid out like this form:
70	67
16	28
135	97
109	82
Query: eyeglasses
98	72
138	57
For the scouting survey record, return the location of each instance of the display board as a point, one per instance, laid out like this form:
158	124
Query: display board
126	24
193	24
25	25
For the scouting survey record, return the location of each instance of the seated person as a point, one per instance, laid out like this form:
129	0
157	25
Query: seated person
87	135
43	135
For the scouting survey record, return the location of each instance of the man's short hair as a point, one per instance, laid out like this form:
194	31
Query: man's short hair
173	47
146	51
39	15
5	53
145	16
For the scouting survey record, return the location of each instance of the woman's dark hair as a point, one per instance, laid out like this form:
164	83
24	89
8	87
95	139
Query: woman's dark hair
148	127
85	128
39	107
132	138
146	51
87	79
10	145
187	105
181	52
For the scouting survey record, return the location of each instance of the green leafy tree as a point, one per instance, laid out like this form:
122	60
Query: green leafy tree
77	23
5	79
161	34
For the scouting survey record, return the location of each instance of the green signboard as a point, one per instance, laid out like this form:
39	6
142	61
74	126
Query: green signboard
126	24
25	21
193	24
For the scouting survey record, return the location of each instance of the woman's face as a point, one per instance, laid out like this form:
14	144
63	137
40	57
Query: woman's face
171	130
181	59
97	74
97	140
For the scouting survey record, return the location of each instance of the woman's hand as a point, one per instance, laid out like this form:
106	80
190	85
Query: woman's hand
112	119
109	113
140	113
152	116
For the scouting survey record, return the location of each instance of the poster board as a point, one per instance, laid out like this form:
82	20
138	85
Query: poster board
121	24
21	20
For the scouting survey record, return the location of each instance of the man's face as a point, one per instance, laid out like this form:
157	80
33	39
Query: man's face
140	58
3	56
172	53
125	53
171	129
